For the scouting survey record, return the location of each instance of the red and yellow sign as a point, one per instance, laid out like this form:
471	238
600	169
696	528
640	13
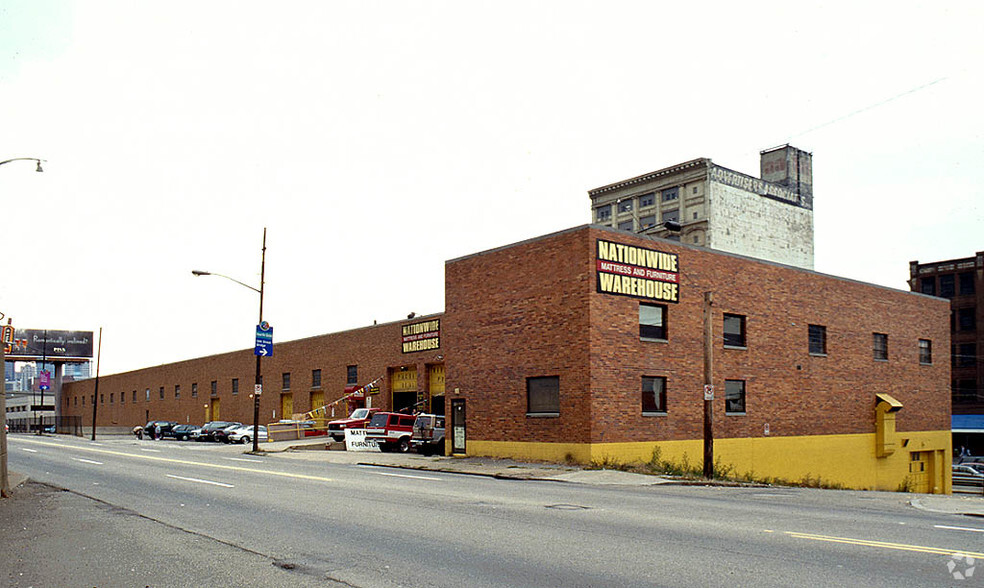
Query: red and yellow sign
627	270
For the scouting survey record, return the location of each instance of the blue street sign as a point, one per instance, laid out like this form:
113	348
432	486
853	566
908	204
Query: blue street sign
264	340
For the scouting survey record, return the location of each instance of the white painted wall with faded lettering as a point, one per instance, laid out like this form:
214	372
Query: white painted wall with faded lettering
757	226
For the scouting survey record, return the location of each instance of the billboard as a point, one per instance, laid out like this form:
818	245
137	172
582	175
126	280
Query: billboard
34	344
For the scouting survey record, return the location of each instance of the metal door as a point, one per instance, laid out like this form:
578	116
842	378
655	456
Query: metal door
458	426
287	406
919	474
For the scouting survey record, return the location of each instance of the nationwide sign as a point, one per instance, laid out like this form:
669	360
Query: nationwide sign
627	270
35	344
422	336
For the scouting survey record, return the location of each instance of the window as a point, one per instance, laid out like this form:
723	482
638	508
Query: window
734	396
928	286
966	355
671	215
235	386
670	194
880	346
966	283
286	381
194	390
961	391
653	395
102	399
946	286
818	340
734	330
647	221
625	226
647	199
603	213
122	398
967	319
925	351
83	401
134	395
215	388
543	396
162	392
652	321
112	397
177	391
148	395
315	378
625	205
352	374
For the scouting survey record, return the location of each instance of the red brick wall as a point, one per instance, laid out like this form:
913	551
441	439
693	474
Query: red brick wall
375	350
532	310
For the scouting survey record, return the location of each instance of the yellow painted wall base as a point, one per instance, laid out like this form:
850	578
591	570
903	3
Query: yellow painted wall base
846	461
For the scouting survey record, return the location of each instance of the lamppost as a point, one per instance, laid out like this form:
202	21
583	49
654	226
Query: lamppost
259	376
26	159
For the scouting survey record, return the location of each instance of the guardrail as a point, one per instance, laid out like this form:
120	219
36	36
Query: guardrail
291	431
968	483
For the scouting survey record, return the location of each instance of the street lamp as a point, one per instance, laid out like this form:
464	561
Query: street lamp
259	375
26	159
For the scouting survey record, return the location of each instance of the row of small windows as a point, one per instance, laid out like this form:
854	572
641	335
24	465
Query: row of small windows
352	377
543	396
948	284
652	326
604	212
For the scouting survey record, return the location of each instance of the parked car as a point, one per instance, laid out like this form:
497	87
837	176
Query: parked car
391	431
220	434
244	434
166	427
973	469
356	420
428	434
183	432
208	430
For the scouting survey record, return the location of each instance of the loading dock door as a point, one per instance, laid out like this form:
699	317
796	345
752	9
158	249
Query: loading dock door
403	383
458	426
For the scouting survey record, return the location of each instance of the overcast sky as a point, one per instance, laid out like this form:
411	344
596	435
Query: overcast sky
375	140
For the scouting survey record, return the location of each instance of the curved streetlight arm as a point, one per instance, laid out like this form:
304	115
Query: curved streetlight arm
204	273
26	159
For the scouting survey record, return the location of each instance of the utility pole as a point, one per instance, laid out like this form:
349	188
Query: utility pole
96	393
4	479
708	386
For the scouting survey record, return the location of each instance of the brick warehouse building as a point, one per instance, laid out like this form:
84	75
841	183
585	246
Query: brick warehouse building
587	344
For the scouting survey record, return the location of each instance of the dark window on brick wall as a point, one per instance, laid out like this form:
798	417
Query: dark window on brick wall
286	378
652	321
653	395
134	395
734	330
112	397
946	286
961	391
194	390
215	388
235	386
967	319
543	395
880	346
162	392
925	351
177	391
148	395
928	286
967	284
734	396
352	374
966	355
818	340
315	378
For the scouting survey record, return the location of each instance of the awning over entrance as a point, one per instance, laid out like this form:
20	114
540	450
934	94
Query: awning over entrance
967	423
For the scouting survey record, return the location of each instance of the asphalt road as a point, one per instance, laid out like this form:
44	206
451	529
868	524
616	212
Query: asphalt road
298	519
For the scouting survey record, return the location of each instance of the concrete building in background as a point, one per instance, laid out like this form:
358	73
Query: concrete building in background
768	218
962	282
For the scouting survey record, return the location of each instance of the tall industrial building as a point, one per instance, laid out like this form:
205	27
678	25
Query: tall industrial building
767	218
962	282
